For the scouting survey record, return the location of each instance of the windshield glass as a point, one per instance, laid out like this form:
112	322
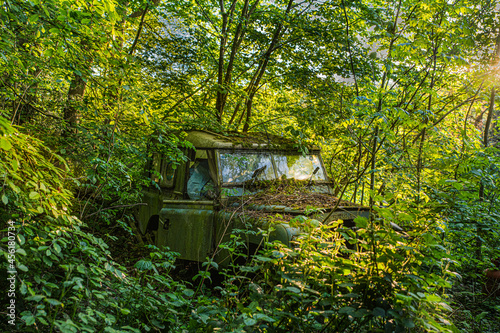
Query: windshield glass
239	167
299	167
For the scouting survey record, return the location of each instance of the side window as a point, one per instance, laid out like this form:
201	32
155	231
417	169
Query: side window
162	172
200	185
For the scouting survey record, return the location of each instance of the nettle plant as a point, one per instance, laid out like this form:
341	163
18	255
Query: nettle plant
66	280
337	279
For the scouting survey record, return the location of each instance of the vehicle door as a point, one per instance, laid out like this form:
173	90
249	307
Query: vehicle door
186	222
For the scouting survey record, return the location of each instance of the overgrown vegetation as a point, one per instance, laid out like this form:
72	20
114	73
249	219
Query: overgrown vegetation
401	96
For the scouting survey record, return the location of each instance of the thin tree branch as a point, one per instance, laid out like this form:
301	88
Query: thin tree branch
113	207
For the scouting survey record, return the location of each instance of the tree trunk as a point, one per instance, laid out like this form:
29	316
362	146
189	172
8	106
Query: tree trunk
75	95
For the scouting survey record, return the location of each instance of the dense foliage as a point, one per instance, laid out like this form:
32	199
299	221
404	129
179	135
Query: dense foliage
401	96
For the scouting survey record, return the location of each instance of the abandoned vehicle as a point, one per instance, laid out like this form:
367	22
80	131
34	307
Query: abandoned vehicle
241	181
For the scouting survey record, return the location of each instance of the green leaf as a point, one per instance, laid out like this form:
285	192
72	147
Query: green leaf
47	261
361	222
378	312
23	289
433	298
347	310
21	239
22	267
293	290
15	165
35	298
5	199
33	18
5	144
250	321
29	319
143	265
54	302
42	320
261	316
34	195
57	248
407	322
188	292
262	258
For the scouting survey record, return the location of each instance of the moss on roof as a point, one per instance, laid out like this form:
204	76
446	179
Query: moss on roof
238	140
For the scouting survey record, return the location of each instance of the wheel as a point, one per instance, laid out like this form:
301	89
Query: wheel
152	229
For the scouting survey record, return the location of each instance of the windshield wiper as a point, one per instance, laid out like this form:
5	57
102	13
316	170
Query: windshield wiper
258	172
311	178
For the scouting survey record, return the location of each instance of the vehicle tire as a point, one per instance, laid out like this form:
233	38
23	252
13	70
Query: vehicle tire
152	229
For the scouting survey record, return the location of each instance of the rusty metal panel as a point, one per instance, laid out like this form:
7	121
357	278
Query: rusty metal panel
152	203
187	231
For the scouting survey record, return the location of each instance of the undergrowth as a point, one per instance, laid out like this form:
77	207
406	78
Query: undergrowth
333	279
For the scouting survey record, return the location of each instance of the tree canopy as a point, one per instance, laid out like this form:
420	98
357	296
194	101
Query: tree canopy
401	96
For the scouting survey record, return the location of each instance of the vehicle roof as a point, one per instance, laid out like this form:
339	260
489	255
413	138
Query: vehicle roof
238	140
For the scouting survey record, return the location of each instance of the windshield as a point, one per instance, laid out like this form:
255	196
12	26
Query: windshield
299	167
240	167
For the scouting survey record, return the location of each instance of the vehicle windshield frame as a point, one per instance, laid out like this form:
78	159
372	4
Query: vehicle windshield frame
272	154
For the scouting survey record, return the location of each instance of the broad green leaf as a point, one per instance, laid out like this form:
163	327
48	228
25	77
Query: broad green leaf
23	267
33	18
378	312
5	144
143	265
347	310
57	248
188	292
54	302
29	320
250	321
35	298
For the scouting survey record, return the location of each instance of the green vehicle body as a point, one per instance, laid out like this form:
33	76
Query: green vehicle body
194	224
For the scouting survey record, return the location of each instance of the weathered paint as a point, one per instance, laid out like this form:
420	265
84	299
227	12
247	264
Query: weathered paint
284	233
152	203
187	229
